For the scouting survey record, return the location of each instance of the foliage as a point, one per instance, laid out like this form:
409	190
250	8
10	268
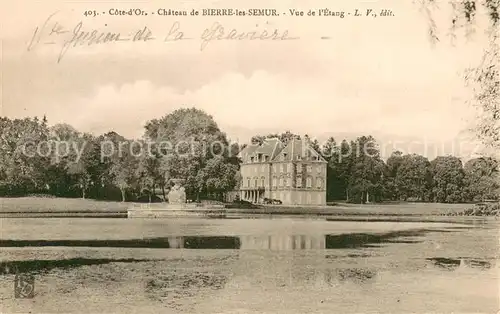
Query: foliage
485	83
367	168
482	179
484	78
193	148
283	137
413	178
448	179
110	166
20	139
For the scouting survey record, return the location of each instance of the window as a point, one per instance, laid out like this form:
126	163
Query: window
255	182
288	183
290	167
266	158
262	182
299	182
281	181
285	182
263	168
275	168
319	183
299	168
282	168
248	182
309	168
275	182
309	182
319	169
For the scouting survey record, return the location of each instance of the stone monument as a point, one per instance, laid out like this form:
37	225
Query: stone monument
177	207
177	194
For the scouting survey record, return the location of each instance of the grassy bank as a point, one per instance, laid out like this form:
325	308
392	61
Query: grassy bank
59	207
486	209
392	209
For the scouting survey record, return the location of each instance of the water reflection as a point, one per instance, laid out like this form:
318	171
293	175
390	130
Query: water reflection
200	242
278	242
283	242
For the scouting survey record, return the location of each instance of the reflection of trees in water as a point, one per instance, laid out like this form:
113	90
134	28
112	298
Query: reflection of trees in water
204	242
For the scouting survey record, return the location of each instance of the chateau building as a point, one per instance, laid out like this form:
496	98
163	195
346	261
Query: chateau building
294	173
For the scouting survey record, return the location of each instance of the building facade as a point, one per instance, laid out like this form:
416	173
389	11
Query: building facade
294	173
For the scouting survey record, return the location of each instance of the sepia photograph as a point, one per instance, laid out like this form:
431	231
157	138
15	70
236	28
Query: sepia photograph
257	156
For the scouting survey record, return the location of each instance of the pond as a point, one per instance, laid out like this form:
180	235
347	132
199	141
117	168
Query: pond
281	265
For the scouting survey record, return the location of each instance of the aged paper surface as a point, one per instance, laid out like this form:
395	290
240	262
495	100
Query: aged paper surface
249	156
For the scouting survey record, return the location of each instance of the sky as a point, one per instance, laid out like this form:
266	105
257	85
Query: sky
372	75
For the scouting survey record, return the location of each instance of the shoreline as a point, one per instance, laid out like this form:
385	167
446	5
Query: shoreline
35	207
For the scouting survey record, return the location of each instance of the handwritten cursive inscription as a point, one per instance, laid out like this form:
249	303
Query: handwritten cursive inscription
52	32
93	37
175	33
217	32
43	31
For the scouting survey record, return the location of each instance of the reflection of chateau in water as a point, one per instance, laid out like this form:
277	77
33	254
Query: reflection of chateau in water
250	242
296	260
176	242
293	261
287	242
283	242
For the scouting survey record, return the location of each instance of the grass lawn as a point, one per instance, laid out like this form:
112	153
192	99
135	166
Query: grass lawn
75	205
40	204
418	209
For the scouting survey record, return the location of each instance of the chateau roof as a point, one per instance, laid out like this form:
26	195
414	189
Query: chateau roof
270	147
248	150
298	148
295	150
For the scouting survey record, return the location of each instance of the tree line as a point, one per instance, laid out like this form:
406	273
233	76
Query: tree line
364	176
123	169
112	167
357	173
